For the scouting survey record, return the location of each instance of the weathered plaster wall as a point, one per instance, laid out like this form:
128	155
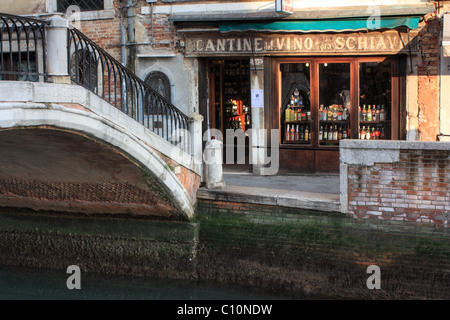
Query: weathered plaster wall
23	7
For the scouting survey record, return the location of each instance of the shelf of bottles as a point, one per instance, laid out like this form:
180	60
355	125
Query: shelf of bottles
334	124
374	111
236	94
238	115
297	121
373	123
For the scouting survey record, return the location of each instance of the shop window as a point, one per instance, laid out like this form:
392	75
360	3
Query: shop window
160	83
296	103
84	5
334	102
322	101
375	100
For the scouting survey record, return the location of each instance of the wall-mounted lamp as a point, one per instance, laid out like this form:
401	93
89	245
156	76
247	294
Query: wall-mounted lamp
179	44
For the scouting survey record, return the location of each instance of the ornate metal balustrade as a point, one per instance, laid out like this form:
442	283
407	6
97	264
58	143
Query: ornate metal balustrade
92	67
22	48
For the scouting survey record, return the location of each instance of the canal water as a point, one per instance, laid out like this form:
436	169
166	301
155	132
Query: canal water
38	284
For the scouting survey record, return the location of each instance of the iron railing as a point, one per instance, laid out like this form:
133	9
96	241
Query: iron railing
92	67
22	48
23	57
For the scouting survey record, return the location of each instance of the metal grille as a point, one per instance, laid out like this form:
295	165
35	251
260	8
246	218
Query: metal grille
84	5
22	48
160	83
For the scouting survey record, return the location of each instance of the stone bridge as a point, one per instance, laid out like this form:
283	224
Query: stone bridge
65	148
62	148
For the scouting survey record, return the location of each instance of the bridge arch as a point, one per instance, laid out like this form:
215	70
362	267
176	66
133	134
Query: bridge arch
81	113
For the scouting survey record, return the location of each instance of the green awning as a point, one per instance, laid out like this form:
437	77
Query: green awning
331	25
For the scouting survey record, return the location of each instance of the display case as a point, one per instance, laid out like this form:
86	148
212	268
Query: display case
323	100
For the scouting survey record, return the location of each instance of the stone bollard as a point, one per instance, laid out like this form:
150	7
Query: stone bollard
213	165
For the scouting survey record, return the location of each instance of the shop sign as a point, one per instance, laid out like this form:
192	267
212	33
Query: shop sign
286	6
388	42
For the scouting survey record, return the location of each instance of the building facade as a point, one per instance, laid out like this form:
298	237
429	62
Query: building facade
310	74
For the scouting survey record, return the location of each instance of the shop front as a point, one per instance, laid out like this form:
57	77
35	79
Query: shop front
322	100
318	86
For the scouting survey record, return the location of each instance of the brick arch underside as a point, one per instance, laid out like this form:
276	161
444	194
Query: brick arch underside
54	169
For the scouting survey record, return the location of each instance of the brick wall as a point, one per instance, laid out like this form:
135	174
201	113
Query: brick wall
105	33
398	181
315	254
428	94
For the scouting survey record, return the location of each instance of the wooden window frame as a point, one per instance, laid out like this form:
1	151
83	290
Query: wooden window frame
354	61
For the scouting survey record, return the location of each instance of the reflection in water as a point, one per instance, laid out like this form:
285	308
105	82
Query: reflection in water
33	284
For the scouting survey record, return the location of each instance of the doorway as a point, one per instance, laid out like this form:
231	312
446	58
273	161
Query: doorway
229	109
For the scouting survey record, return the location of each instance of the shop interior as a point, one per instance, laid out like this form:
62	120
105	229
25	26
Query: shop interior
230	105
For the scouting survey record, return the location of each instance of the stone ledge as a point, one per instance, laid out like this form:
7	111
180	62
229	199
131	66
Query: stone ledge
362	152
292	199
394	144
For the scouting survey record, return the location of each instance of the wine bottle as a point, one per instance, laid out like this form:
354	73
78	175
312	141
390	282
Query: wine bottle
369	114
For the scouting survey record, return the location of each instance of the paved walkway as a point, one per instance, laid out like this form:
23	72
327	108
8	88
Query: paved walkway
307	191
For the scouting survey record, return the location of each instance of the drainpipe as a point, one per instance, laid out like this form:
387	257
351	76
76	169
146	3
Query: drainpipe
122	40
131	39
130	18
151	17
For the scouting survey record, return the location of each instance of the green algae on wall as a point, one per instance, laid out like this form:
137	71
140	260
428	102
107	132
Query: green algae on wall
289	251
108	245
323	253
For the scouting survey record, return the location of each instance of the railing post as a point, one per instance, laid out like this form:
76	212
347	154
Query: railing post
57	46
195	130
